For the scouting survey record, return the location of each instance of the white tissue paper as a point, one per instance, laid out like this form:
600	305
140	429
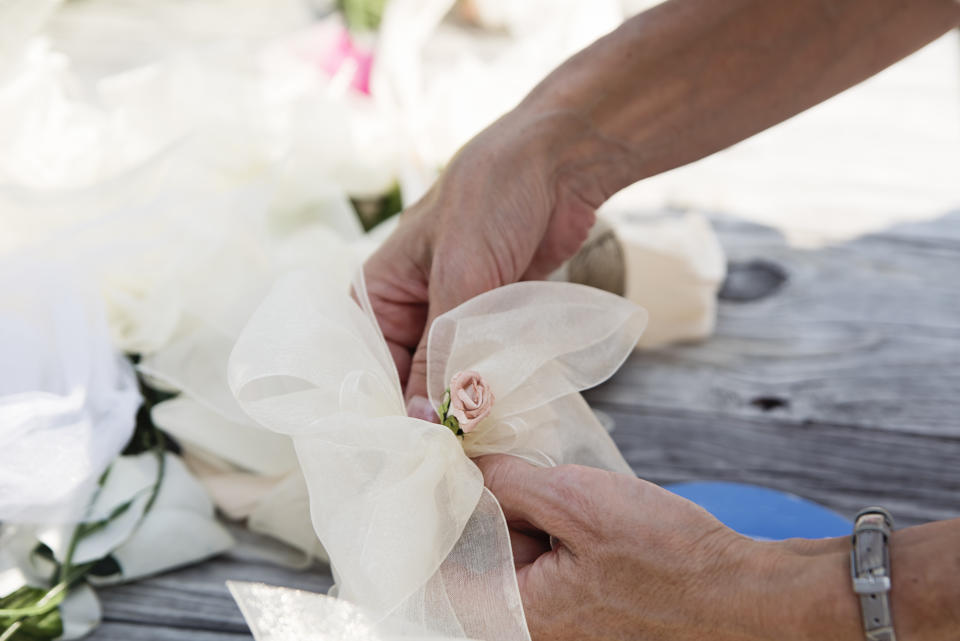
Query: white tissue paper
418	547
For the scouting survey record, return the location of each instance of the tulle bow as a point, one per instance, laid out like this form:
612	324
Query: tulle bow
418	547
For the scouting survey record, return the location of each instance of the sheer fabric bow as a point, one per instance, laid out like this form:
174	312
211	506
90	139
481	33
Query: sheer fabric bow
418	547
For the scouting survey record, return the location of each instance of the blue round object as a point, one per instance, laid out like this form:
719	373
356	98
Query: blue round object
762	513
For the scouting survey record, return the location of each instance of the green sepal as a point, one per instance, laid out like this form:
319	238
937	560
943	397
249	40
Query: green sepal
448	421
444	405
453	425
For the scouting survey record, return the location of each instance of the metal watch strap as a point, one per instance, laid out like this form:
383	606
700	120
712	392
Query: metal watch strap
870	567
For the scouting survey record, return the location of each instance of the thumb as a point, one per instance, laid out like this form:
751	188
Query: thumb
549	499
448	288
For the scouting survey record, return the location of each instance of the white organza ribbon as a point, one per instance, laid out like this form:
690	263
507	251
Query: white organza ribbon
416	543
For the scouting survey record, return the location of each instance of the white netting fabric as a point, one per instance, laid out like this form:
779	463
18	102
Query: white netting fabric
67	400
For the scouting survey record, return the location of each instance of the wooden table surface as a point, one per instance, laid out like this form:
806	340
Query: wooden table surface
834	374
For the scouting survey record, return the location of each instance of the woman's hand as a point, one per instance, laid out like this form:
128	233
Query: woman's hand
633	561
630	561
501	212
670	86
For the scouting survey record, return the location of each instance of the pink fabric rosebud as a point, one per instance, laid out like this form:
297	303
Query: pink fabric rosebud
470	399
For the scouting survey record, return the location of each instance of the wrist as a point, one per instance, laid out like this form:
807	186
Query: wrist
573	152
747	598
809	595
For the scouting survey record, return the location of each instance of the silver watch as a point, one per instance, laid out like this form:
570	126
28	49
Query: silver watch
870	567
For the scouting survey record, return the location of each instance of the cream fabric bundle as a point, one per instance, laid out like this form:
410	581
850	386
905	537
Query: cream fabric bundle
674	267
418	547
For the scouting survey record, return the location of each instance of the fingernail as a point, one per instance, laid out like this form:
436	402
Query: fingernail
420	407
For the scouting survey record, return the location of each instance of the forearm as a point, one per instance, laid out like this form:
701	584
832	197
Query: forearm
690	77
812	597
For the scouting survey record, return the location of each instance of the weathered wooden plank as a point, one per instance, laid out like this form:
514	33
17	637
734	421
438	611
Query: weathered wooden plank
863	334
196	598
841	467
112	631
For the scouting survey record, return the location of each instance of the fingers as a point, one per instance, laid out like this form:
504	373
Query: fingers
397	291
417	381
569	227
401	358
455	277
553	500
527	547
420	407
442	299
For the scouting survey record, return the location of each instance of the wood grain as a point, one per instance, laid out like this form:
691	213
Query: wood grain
195	600
841	467
866	334
113	631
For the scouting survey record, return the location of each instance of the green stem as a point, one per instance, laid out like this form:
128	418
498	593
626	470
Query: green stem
46	603
64	568
9	632
160	451
78	531
51	599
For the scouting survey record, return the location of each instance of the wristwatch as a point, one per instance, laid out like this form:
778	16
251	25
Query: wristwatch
870	567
